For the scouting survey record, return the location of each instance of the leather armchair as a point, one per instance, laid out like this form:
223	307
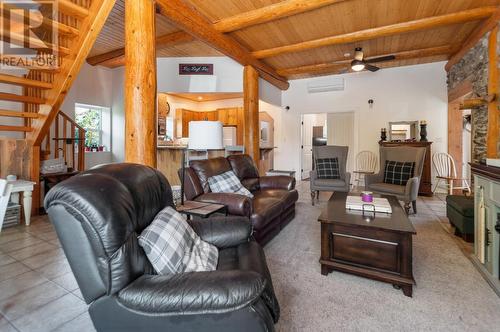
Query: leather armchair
343	184
407	193
98	216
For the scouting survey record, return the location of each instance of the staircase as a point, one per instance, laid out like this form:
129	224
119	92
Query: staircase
48	132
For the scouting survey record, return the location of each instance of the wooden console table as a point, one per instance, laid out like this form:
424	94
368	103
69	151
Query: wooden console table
425	188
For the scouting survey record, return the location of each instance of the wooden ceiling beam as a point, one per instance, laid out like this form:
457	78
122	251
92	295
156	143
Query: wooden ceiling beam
191	21
474	38
403	55
383	31
161	42
270	13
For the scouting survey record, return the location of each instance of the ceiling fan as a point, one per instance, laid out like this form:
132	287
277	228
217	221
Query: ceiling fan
359	63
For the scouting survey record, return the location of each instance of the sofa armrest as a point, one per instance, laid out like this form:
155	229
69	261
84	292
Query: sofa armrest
412	187
223	232
238	205
193	293
277	182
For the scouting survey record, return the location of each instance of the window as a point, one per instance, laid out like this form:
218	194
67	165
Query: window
96	122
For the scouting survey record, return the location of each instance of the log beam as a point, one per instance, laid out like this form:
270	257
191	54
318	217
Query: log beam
383	31
342	63
251	113
191	21
161	42
270	13
477	102
492	139
474	38
140	82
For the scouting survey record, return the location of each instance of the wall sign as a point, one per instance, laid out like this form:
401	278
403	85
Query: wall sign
196	69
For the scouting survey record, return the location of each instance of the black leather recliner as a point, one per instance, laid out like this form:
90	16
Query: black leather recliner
98	216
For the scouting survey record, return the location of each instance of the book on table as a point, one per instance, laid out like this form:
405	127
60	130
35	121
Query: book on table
378	204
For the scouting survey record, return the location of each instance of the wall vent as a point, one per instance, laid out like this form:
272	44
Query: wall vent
326	85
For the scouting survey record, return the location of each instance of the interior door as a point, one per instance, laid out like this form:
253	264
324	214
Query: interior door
308	122
340	128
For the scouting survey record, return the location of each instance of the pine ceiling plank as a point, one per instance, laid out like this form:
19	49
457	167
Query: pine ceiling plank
393	29
189	20
270	13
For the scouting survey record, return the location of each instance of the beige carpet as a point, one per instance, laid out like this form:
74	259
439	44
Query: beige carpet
450	294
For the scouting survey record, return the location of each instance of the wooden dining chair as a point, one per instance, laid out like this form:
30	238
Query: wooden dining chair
366	163
447	173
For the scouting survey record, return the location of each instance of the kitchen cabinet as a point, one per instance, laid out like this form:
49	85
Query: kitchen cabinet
228	117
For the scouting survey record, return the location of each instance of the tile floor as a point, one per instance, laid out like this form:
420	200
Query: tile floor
37	289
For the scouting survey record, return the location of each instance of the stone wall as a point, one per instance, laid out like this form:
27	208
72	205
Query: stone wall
474	67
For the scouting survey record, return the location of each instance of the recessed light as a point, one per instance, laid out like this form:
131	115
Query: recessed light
347	55
200	98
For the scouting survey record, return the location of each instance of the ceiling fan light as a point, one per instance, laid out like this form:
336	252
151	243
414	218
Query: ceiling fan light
357	65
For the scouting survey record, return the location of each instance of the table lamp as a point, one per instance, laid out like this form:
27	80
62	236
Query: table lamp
203	136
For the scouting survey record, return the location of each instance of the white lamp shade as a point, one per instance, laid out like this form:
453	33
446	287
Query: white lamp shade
205	135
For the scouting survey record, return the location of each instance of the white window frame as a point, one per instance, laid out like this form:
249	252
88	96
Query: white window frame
89	108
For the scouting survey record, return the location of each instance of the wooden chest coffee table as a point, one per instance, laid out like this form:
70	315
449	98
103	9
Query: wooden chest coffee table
377	247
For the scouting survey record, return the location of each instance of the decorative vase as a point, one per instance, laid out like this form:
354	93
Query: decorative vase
423	131
383	135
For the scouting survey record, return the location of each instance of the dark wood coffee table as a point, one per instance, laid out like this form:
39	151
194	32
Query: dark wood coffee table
377	247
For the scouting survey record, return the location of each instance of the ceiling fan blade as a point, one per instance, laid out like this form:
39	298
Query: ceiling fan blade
371	68
344	71
381	59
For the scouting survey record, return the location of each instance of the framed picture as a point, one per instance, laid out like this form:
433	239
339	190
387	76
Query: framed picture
196	69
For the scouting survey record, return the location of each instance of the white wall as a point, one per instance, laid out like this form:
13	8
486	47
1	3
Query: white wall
404	93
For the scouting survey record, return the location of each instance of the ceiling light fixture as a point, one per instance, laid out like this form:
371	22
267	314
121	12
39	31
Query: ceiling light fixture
357	65
200	98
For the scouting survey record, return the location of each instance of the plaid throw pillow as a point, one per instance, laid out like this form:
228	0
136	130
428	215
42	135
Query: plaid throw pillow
172	246
398	172
328	168
227	182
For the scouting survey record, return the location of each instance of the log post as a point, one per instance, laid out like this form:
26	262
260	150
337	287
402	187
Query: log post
140	82
251	112
492	140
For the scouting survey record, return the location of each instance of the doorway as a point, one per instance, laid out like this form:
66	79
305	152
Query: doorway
314	132
326	129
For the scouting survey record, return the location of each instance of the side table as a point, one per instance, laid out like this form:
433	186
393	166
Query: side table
26	187
201	209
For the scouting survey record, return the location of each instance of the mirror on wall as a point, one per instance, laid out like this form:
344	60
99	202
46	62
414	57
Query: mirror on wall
403	130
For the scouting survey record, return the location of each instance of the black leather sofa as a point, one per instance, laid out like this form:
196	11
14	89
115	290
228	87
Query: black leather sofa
98	216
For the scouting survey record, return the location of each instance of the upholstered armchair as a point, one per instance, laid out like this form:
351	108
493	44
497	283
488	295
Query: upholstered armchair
343	184
98	216
407	193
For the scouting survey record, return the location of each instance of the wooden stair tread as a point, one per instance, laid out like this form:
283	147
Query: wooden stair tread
17	114
19	39
61	28
70	8
16	80
15	128
21	99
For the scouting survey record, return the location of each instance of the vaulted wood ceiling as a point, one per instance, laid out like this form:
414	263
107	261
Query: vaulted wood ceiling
316	41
